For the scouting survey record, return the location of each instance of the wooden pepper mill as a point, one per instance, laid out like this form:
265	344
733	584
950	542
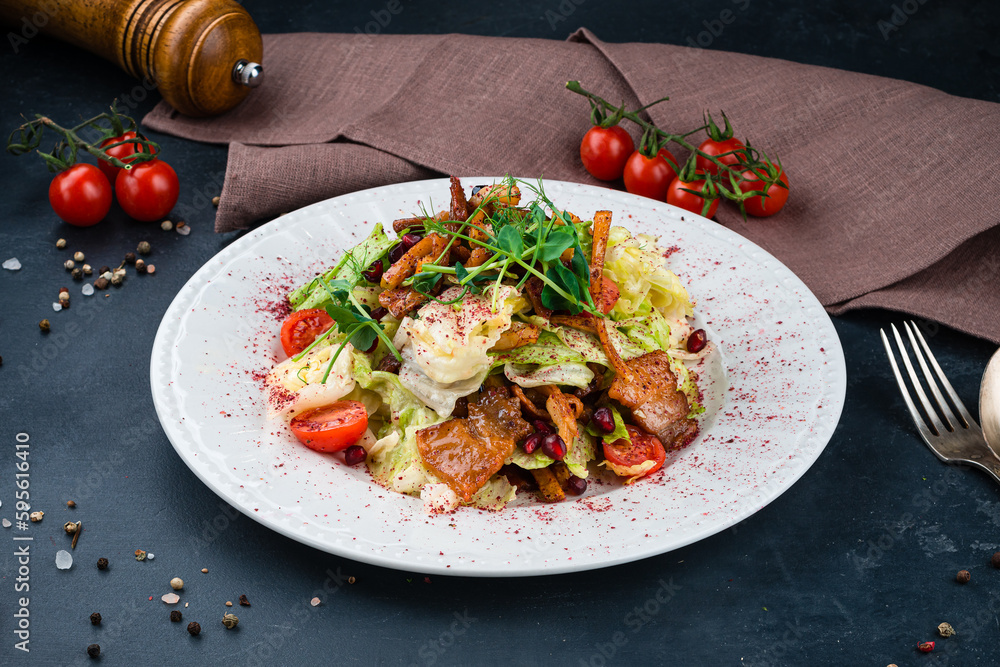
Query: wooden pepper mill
203	55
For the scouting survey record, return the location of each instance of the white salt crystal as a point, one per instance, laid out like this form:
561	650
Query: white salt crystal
56	306
12	264
171	598
6	523
183	231
64	559
150	556
88	289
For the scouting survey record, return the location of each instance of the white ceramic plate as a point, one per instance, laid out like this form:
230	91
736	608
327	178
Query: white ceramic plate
774	391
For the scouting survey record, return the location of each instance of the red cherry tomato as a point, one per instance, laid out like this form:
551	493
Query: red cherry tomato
147	191
717	149
123	153
331	428
650	177
626	458
81	195
301	328
605	150
762	207
677	196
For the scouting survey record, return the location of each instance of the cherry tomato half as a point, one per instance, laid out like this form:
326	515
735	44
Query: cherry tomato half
677	196
301	328
147	191
605	150
123	153
718	149
625	457
762	207
650	177
81	195
331	428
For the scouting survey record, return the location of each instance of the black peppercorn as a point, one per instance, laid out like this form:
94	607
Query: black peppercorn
995	560
194	629
101	283
143	248
95	619
94	650
130	257
104	269
77	274
140	266
963	576
175	616
44	326
244	602
102	563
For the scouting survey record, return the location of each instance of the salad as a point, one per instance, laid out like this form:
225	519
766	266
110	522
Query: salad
496	347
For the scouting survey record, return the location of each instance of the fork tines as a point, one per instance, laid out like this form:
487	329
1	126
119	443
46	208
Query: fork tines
942	420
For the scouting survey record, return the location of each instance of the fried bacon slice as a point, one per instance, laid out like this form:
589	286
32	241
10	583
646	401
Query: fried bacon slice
465	453
400	300
548	485
402	224
459	204
655	403
528	404
430	247
562	411
533	290
519	334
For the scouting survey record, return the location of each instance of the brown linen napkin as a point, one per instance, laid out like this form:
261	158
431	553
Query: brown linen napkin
892	184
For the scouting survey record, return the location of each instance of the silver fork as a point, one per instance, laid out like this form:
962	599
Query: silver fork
953	439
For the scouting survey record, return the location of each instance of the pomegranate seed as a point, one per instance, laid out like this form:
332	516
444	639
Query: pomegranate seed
696	341
603	420
410	240
374	272
553	446
576	485
542	427
354	455
532	442
396	253
378	313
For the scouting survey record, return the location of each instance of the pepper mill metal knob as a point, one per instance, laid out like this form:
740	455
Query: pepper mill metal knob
247	73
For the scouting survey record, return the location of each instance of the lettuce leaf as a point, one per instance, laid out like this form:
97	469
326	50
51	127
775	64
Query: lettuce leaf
571	373
638	267
549	349
620	432
348	268
494	495
396	462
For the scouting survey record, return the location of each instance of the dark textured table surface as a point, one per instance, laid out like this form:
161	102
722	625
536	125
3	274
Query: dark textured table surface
852	566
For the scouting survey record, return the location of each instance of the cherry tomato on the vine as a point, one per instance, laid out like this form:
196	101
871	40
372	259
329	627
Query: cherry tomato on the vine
718	149
123	153
301	328
81	195
148	190
650	177
605	150
678	196
762	207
